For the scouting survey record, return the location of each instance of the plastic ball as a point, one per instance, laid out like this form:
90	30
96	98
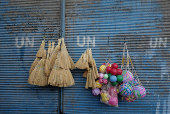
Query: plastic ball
119	72
114	83
119	78
139	91
102	68
108	69
109	75
106	76
127	76
109	65
100	80
112	91
96	91
98	85
101	75
135	82
113	101
126	89
113	78
130	98
114	65
105	81
104	97
113	71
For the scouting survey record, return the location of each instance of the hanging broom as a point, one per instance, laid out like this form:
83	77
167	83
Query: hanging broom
47	63
90	58
38	76
52	48
34	64
40	52
54	54
82	63
64	58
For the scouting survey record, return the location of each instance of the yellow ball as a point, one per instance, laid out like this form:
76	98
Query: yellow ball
98	85
109	65
102	69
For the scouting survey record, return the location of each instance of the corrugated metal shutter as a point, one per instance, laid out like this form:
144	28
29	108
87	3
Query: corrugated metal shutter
144	26
23	23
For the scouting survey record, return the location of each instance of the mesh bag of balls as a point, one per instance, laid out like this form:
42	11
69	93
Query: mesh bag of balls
109	77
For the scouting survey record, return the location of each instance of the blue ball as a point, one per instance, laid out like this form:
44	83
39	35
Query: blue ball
113	78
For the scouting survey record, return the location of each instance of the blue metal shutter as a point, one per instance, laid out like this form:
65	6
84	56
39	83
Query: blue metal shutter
23	23
144	26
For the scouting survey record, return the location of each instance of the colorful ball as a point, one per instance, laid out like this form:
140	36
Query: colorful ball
108	69
127	76
113	101
100	80
109	65
105	81
126	89
112	91
109	75
101	75
98	85
130	98
105	76
102	68
114	83
135	82
114	65
113	71
139	91
113	78
119	72
96	91
119	78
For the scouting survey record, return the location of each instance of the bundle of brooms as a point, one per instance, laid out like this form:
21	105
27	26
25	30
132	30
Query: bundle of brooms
87	62
53	70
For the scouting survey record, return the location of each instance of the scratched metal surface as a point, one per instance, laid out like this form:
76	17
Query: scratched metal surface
144	26
23	23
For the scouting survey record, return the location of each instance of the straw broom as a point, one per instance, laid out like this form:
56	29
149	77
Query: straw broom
38	76
52	48
47	63
41	49
64	58
90	58
54	54
82	63
34	64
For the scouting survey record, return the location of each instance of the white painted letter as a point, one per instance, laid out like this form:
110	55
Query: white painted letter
28	42
151	45
162	42
22	42
78	43
92	42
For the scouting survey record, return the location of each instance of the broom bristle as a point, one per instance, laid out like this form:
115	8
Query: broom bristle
85	74
82	63
90	58
38	76
34	64
95	70
64	58
52	48
54	54
40	52
47	63
72	63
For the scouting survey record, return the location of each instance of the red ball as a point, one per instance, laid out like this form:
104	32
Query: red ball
119	72
113	71
114	65
104	64
108	69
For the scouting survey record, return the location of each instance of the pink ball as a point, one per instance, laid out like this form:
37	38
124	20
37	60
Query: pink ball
101	75
112	91
105	81
113	101
100	80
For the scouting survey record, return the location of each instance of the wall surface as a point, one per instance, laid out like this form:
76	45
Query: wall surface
104	26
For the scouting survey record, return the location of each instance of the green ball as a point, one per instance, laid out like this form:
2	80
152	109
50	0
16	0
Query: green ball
114	83
106	76
109	75
119	78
